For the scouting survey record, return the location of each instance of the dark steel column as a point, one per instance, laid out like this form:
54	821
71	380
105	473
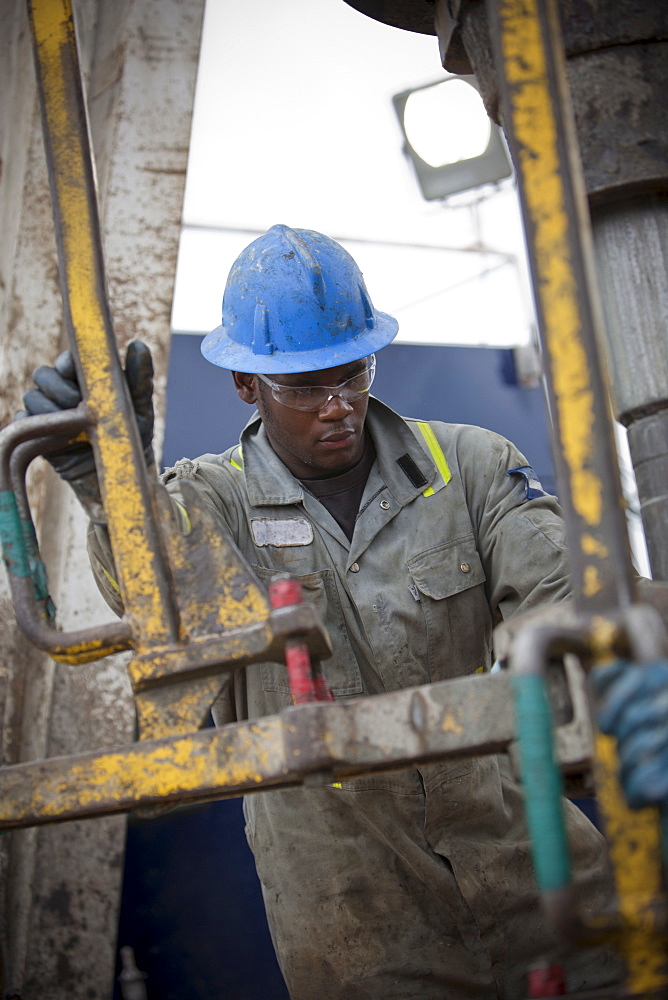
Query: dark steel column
631	239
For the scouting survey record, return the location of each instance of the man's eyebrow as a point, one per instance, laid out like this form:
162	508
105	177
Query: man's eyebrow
311	378
355	368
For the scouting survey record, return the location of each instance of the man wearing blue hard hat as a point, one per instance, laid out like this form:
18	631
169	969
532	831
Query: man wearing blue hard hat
412	539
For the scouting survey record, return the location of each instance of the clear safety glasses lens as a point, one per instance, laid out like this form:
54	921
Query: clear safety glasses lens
313	397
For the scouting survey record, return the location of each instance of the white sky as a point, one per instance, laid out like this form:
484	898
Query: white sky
294	123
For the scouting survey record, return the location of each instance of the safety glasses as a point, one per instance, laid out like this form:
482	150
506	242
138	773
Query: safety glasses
313	397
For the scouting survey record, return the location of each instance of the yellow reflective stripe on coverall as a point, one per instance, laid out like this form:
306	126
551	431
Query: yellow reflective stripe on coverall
436	453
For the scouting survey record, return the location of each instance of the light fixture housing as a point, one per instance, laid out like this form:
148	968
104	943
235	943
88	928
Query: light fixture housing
458	170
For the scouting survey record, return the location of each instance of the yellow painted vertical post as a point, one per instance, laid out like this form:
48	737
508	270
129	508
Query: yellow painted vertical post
538	122
635	851
541	134
142	570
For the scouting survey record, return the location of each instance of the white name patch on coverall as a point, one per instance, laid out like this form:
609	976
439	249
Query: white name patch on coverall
281	531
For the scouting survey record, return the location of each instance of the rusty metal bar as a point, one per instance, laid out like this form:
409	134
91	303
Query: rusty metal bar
320	742
541	134
142	568
332	741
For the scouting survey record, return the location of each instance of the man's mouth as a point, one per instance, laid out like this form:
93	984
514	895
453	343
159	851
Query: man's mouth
337	439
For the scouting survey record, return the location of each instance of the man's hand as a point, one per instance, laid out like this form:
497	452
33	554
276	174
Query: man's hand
633	707
58	389
139	376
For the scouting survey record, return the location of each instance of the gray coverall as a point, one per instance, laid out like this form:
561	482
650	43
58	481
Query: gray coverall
417	884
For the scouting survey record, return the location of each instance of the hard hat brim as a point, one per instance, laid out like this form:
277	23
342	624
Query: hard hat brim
218	348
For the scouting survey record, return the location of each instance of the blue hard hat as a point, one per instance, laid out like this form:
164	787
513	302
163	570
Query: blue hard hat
295	301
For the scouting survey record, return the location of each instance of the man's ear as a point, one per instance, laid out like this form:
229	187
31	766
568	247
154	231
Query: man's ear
245	384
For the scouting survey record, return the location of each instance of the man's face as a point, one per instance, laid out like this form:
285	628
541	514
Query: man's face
311	444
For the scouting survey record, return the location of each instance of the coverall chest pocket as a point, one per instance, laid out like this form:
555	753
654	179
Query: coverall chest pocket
341	669
450	579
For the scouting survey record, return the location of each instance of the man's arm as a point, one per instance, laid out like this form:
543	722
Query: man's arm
519	527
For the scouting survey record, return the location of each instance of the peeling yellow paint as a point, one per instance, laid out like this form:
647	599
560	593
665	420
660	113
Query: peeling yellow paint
592	546
602	635
87	652
635	852
182	712
591	581
167	769
536	133
450	724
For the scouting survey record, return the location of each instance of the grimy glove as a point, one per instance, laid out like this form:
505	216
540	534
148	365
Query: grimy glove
633	707
58	389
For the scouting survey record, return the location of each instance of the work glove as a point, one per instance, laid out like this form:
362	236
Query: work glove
633	707
58	389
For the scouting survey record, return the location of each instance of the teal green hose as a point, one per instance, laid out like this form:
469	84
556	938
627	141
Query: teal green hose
542	782
20	550
14	550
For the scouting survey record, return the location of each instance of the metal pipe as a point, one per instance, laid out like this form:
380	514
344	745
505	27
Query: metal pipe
631	240
648	444
468	716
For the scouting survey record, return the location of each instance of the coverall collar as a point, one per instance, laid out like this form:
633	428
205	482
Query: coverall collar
269	482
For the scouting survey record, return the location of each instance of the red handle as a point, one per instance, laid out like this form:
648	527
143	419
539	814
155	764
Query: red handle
306	685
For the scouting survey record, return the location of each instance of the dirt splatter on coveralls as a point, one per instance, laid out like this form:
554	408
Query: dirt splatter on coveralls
416	884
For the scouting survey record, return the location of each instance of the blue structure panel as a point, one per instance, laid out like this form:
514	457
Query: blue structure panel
192	908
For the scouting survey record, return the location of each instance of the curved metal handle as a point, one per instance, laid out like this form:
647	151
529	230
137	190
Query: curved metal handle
20	443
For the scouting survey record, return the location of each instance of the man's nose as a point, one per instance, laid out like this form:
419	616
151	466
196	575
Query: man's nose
335	408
